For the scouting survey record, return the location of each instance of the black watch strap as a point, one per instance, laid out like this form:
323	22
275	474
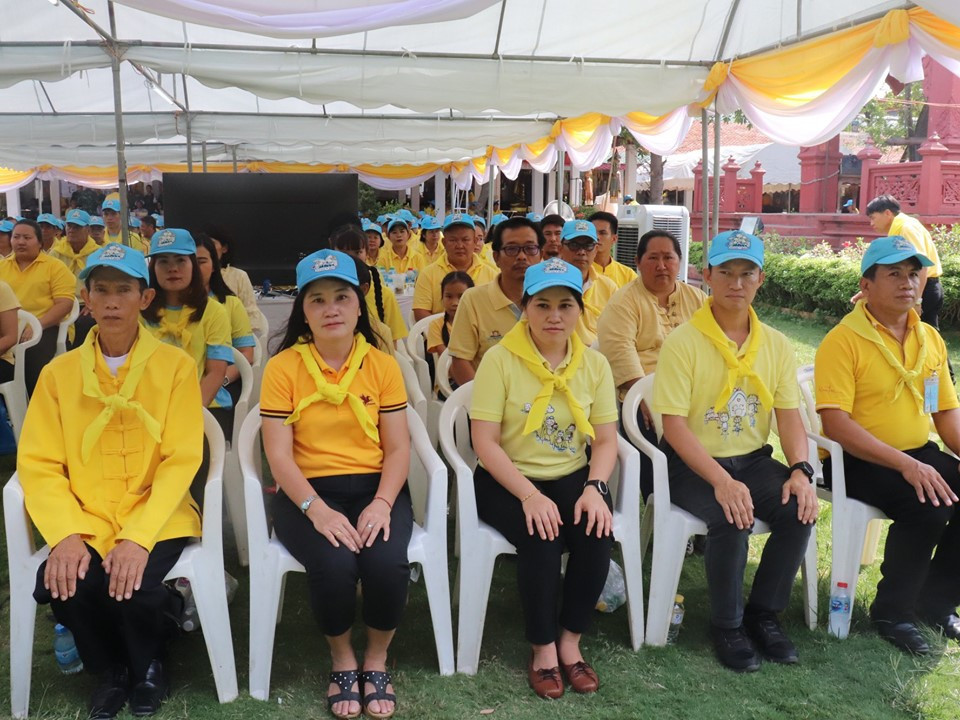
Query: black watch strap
804	467
600	485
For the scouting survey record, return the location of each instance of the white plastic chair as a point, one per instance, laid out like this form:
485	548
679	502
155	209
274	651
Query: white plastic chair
671	527
480	544
443	373
201	562
233	479
14	391
850	517
259	360
417	350
270	561
415	397
64	328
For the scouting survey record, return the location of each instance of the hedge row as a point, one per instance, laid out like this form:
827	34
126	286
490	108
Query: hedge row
824	285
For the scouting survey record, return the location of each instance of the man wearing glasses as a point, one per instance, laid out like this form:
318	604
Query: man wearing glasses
578	246
487	312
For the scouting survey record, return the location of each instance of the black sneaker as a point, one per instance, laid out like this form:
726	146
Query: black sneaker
765	630
734	649
903	635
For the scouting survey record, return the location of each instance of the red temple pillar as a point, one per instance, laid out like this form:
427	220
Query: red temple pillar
942	90
869	159
820	176
756	176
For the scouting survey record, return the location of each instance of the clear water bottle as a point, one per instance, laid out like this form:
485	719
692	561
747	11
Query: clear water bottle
189	619
65	650
840	611
676	620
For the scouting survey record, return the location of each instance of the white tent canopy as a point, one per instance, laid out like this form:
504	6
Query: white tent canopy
444	80
779	162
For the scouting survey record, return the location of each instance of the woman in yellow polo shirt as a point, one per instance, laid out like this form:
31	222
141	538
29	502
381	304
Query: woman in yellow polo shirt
538	395
335	434
44	286
181	313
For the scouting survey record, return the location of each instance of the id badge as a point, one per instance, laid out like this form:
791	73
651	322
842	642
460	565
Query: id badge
931	394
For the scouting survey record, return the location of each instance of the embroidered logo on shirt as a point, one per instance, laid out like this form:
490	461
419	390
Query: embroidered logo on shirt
550	433
741	409
738	241
325	264
554	266
166	238
366	399
114	252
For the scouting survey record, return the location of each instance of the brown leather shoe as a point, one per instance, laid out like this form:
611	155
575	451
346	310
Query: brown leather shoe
545	682
582	677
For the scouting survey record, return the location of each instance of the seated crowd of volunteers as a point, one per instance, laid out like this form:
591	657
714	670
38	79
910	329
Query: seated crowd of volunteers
550	329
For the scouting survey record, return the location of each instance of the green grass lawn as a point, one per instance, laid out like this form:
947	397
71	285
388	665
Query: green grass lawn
861	677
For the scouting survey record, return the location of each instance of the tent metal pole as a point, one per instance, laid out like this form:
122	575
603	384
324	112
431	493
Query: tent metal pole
561	159
203	154
233	152
189	133
705	184
491	174
715	227
121	142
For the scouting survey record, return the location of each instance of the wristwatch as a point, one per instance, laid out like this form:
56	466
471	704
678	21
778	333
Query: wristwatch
600	485
305	505
804	467
226	381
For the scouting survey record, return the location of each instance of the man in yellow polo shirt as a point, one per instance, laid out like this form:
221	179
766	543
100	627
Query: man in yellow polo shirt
886	219
881	374
487	313
459	238
720	378
606	225
112	439
578	246
110	210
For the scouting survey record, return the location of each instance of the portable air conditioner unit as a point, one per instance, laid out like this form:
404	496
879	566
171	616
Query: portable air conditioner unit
635	220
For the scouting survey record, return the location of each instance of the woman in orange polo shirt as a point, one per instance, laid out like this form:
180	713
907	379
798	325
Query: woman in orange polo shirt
343	509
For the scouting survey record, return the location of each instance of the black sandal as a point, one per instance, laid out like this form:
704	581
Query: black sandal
379	680
344	679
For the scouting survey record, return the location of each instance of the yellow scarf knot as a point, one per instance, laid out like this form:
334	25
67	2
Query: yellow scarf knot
738	368
75	261
518	342
335	394
142	350
177	330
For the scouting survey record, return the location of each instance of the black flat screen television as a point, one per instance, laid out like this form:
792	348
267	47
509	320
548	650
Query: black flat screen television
273	220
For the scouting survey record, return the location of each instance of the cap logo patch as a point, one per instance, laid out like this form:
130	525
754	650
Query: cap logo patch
902	244
456	216
554	266
114	252
582	225
738	241
325	264
166	238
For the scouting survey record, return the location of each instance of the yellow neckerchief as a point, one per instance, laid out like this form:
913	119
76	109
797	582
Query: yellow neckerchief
336	394
518	341
587	305
737	367
177	331
143	348
860	322
76	261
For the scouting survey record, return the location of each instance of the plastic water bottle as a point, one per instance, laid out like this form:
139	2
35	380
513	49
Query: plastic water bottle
65	650
189	620
676	620
840	610
266	287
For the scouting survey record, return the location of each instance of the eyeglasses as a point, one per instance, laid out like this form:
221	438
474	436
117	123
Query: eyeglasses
578	246
514	250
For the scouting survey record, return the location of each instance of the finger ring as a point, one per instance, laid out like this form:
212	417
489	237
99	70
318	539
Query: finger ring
369	525
336	532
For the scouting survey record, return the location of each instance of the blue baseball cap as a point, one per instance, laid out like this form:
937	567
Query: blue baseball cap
125	259
96	220
848	203
78	217
381	219
497	219
889	251
397	220
49	219
479	220
552	273
158	218
431	223
578	229
736	245
457	219
326	264
111	203
175	241
6	226
406	215
535	217
134	222
370	226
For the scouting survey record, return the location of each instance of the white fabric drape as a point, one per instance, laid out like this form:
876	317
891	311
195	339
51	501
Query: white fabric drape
48	64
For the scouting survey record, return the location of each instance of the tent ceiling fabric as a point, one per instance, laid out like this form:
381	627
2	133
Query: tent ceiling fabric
639	64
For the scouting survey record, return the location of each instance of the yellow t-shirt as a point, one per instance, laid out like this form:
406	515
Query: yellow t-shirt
382	331
136	241
483	317
616	271
595	298
852	375
44	280
432	257
413	260
241	334
504	389
633	325
392	316
75	262
379	384
914	231
427	294
486	254
132	487
435	333
8	301
691	373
